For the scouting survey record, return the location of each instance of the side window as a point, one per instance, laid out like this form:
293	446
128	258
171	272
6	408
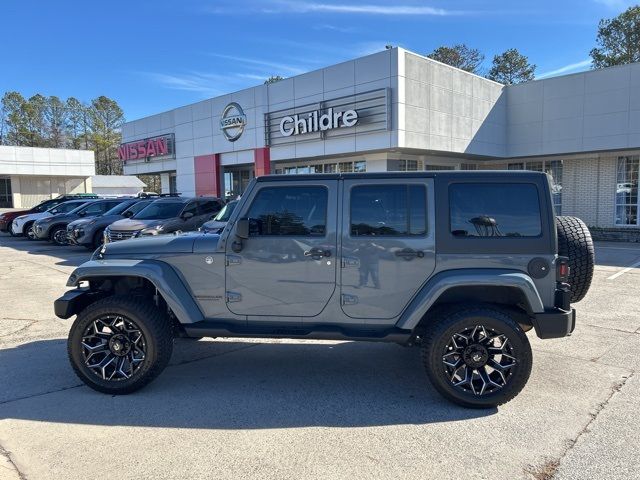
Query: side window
209	207
388	210
94	209
191	208
109	205
494	210
299	211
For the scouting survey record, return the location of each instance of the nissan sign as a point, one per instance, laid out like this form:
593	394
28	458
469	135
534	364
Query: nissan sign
233	121
315	122
161	146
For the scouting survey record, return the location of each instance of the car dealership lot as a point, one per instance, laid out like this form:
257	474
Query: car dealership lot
234	408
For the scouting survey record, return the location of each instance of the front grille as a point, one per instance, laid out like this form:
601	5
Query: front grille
117	235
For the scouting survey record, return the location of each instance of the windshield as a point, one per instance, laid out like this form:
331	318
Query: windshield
65	207
160	210
225	213
118	209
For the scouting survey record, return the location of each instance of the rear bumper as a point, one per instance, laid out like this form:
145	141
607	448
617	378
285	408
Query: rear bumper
555	323
4	224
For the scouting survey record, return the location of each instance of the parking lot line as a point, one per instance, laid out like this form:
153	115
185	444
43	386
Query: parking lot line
624	270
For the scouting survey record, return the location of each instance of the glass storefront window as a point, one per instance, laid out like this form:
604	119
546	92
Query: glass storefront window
627	190
346	167
360	166
330	168
6	200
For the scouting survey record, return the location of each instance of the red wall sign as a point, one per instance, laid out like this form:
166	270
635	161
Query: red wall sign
149	147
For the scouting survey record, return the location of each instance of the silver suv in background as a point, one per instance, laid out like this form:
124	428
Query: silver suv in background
89	232
165	215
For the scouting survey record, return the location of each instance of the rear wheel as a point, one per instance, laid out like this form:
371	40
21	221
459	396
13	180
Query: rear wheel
575	243
118	345
477	357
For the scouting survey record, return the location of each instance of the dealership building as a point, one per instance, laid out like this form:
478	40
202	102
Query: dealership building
29	175
399	111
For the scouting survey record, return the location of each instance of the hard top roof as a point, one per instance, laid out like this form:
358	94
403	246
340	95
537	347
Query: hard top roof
458	174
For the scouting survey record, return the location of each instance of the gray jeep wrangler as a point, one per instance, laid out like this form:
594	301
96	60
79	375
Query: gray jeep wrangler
461	264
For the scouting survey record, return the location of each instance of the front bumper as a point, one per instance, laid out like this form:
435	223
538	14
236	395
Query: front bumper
40	232
73	302
555	323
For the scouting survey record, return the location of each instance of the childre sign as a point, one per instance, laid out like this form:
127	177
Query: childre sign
315	122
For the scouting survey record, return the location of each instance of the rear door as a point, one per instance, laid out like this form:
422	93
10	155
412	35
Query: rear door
287	266
388	245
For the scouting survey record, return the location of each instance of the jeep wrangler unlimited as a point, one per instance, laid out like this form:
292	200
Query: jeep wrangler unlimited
461	264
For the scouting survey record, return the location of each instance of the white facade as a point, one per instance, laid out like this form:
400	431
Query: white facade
29	175
414	113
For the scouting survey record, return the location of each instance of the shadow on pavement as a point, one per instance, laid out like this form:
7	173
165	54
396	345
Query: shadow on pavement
617	254
67	255
235	385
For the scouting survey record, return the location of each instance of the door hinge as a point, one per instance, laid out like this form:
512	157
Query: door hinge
233	297
349	299
350	262
233	260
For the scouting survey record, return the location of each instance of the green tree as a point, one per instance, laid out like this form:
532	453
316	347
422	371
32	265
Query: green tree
618	40
459	56
78	124
55	117
273	79
511	67
106	123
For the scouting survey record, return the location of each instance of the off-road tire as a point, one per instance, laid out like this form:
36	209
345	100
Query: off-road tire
153	323
574	242
449	321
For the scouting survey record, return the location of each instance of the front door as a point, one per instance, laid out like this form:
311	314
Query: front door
388	246
287	266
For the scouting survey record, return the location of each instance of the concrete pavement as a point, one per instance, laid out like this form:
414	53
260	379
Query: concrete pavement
231	408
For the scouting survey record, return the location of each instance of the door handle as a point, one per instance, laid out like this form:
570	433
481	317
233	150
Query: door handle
409	254
317	253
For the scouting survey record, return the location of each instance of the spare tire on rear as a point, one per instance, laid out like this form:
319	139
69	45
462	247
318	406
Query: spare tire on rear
575	243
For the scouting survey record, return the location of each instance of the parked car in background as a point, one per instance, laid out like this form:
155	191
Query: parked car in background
89	232
54	228
165	215
217	224
23	224
6	219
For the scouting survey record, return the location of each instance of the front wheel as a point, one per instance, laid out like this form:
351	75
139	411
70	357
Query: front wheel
59	236
118	345
477	357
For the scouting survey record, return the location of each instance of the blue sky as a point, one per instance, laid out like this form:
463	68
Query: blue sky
152	56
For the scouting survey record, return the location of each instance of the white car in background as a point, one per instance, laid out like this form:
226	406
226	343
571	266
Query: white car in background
22	225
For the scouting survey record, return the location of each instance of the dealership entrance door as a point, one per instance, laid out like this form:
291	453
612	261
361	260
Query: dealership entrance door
236	180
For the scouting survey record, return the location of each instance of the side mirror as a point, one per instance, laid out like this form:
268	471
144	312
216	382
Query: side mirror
242	228
128	214
187	215
82	214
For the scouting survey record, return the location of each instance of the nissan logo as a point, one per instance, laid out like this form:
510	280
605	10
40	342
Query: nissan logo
233	121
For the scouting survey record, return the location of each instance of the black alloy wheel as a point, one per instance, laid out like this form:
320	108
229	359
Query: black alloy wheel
59	236
477	356
119	344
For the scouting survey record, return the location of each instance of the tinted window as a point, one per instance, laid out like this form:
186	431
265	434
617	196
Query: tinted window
209	207
494	210
191	208
388	210
119	208
160	210
137	207
289	211
93	208
65	207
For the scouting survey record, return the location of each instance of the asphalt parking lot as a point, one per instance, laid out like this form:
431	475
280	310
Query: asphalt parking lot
229	408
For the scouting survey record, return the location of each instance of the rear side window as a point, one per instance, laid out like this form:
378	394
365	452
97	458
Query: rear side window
210	207
297	211
494	210
388	210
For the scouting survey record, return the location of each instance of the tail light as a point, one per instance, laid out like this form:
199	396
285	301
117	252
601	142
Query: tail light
562	269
